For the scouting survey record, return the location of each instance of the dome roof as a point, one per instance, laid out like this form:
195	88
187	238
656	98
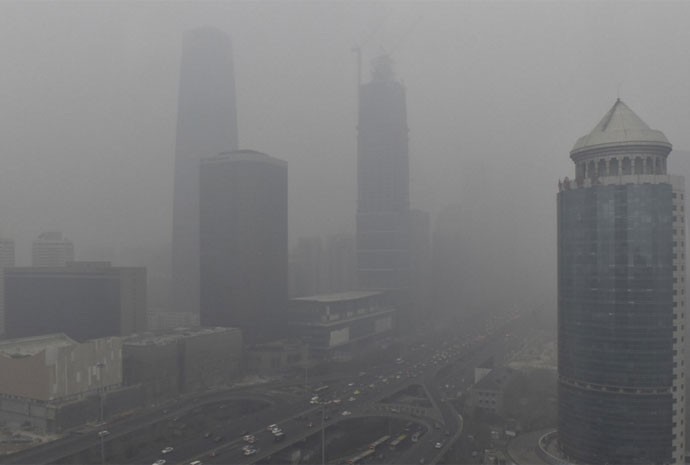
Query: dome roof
620	126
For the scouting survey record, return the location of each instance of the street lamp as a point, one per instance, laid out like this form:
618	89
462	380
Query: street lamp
102	435
323	433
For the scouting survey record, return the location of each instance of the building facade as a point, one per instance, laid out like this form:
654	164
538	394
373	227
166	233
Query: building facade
52	249
6	261
383	178
244	243
621	298
342	326
84	300
42	373
206	126
182	360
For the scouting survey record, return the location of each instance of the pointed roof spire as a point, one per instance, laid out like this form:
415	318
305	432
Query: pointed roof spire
620	126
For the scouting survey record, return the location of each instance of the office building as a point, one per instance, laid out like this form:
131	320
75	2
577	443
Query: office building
51	249
244	243
206	126
621	298
383	182
343	326
84	300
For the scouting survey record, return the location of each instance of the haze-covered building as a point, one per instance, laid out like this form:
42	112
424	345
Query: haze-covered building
40	375
84	300
6	261
206	126
244	243
182	360
342	326
383	178
621	298
51	249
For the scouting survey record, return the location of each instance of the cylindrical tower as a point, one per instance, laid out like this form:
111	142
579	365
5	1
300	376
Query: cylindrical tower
621	295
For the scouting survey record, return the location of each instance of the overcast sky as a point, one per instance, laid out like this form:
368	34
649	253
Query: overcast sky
497	92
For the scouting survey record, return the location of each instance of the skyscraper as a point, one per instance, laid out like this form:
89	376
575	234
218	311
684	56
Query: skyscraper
244	243
383	178
52	249
621	298
206	126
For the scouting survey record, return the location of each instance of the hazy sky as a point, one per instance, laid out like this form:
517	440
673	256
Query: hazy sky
498	92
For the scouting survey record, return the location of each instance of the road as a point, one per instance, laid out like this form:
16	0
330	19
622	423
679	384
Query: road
290	408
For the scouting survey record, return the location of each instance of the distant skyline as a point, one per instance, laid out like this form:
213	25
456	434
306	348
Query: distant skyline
497	95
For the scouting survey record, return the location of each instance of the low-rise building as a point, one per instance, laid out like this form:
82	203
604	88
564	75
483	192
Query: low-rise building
487	394
277	357
182	360
40	374
342	326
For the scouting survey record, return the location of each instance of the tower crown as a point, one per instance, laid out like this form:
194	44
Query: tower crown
620	144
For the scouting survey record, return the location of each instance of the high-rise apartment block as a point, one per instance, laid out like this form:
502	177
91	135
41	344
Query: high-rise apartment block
244	243
52	249
621	298
84	300
206	126
383	179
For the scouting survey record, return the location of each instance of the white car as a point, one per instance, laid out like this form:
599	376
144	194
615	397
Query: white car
276	430
346	413
438	445
167	450
249	438
159	462
271	427
249	451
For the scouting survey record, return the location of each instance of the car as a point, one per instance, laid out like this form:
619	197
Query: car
310	425
350	384
159	462
438	445
249	438
351	399
249	451
247	447
196	462
167	450
346	413
270	427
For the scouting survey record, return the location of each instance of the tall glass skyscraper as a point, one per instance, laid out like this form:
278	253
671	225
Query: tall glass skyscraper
206	126
244	243
383	178
621	298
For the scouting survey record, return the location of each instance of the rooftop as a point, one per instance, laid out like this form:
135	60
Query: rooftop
171	335
620	126
33	345
337	297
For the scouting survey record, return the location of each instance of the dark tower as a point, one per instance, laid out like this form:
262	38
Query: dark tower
244	243
206	126
383	178
621	298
